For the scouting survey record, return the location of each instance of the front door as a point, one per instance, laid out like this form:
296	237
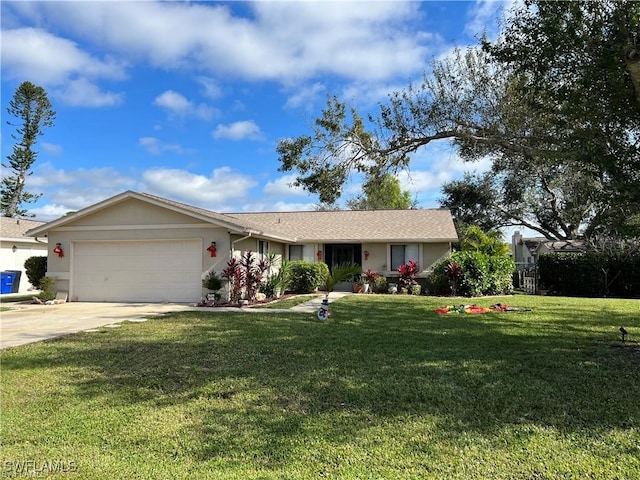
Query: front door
343	253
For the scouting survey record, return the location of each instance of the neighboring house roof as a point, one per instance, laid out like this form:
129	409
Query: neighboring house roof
418	225
532	243
421	225
559	246
15	229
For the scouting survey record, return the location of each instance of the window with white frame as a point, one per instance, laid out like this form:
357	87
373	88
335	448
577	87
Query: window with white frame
401	254
296	252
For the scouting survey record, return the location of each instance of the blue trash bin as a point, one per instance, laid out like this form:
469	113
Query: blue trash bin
6	282
16	280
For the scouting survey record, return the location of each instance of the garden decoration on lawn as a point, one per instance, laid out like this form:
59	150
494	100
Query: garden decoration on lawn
323	312
475	309
623	333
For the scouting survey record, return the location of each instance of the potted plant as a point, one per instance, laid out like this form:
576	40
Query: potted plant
380	284
370	278
212	282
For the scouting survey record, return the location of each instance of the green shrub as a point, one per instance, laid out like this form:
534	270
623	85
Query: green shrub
269	287
380	284
322	273
437	280
501	270
480	274
591	274
302	276
212	281
35	269
47	285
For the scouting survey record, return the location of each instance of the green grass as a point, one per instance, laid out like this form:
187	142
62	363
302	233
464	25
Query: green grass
288	302
385	389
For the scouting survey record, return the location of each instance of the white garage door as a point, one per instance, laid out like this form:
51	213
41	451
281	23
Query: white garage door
145	271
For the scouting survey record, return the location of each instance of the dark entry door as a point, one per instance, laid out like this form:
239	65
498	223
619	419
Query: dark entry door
343	253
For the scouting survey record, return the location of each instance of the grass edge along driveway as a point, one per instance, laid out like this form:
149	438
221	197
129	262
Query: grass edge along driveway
385	389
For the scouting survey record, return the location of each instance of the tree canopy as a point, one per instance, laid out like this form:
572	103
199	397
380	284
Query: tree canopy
382	192
31	106
552	103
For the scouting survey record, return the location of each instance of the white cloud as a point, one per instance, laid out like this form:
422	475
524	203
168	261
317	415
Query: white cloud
282	187
49	212
72	190
286	41
243	130
306	96
482	17
83	93
210	88
57	62
156	147
52	148
47	176
178	104
212	192
277	207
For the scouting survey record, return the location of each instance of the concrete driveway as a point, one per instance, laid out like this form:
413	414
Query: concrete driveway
26	323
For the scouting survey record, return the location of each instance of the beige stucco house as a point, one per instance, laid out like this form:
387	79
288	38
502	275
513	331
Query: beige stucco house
137	247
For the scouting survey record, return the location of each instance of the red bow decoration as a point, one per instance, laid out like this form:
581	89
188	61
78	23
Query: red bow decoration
59	251
212	250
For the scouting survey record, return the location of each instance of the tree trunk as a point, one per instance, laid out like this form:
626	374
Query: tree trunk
632	62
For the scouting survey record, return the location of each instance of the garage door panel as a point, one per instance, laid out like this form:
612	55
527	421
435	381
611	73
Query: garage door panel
137	271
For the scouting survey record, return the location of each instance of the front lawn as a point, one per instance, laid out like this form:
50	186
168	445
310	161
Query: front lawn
385	389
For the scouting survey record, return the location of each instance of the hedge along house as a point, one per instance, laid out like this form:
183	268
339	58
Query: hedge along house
137	247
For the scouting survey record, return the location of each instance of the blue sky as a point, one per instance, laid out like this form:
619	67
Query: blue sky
187	100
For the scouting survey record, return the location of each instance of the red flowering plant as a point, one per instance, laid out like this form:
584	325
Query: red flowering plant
253	274
234	275
455	275
370	276
408	273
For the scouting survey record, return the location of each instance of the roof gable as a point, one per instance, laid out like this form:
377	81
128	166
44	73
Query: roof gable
180	208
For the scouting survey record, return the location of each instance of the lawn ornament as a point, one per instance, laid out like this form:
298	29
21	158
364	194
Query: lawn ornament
475	309
323	312
623	333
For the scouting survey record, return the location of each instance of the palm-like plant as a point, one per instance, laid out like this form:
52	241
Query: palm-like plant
490	243
340	272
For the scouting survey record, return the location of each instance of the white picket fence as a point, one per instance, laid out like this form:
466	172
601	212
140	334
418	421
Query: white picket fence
529	285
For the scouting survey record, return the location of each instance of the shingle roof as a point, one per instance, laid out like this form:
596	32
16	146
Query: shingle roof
421	225
15	228
424	225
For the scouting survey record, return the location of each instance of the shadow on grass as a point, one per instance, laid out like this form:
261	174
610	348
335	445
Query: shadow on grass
260	383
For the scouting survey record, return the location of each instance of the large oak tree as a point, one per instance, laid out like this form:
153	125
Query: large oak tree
561	164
